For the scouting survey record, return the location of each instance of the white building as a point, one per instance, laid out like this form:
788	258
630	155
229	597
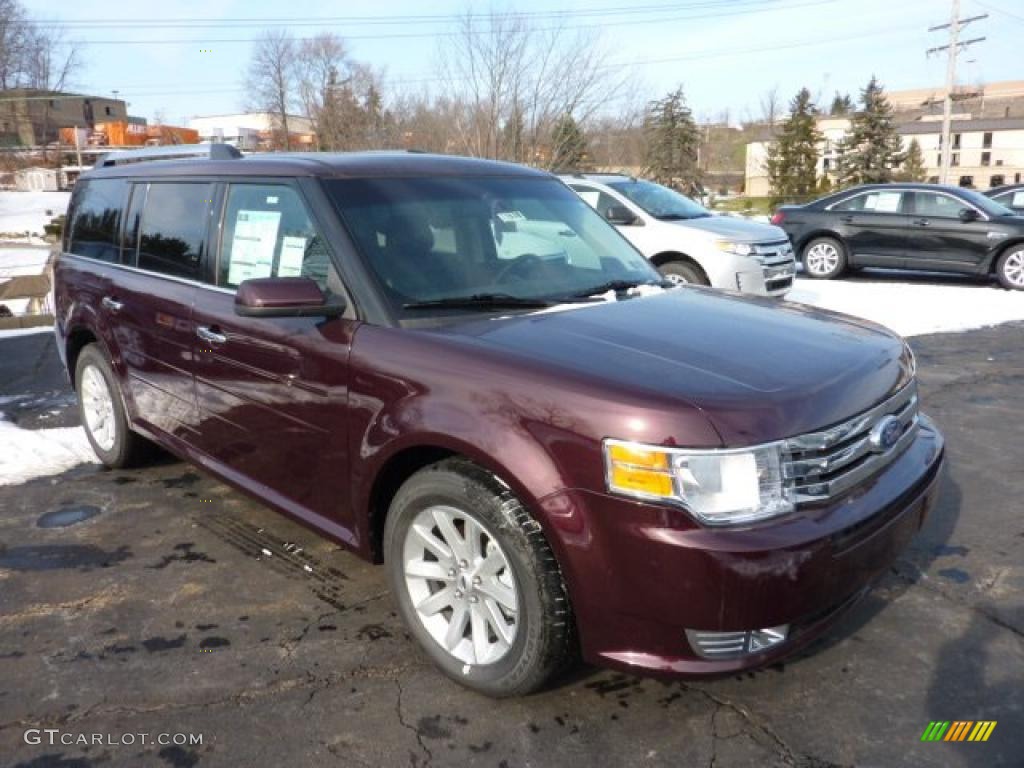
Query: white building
250	130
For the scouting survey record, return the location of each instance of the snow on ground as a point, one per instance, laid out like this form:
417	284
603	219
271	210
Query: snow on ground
21	260
913	305
31	453
22	212
8	333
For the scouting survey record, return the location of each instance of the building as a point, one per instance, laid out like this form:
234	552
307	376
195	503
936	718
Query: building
32	118
252	130
987	152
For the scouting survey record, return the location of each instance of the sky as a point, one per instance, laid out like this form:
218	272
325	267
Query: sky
725	53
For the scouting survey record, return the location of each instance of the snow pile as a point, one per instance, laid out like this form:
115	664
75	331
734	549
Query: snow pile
913	308
15	261
31	453
29	212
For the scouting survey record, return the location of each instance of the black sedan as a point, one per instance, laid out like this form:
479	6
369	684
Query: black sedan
1010	195
907	226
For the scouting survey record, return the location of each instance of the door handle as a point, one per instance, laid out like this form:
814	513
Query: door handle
112	304
921	222
207	334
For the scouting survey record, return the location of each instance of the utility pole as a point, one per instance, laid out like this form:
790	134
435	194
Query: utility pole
952	50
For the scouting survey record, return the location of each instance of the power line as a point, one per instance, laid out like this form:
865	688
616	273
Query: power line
437	35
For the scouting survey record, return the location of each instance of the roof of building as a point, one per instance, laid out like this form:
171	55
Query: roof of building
958	126
321	164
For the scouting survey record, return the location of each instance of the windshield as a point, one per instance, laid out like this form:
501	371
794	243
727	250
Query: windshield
986	204
661	202
442	245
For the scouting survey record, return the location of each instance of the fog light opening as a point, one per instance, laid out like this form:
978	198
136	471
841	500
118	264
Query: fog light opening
727	645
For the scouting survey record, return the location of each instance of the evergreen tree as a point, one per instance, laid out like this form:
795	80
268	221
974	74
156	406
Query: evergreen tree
792	162
569	145
913	164
872	150
672	140
841	105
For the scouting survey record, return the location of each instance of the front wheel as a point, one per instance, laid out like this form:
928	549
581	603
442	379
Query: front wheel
475	580
681	273
824	258
1010	269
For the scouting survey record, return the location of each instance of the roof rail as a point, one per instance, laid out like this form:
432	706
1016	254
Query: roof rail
212	151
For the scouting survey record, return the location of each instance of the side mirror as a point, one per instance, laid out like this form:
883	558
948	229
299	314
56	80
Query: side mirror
284	297
620	216
968	215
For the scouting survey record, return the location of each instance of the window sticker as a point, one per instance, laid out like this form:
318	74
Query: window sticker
1018	199
884	202
511	216
271	199
293	250
253	245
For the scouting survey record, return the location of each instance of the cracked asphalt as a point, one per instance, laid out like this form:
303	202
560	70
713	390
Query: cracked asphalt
160	601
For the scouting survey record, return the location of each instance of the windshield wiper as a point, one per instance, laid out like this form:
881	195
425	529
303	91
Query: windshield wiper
614	285
480	301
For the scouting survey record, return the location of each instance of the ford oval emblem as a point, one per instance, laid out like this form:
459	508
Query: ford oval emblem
885	434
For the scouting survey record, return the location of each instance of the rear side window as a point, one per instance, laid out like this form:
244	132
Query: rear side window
268	233
872	202
172	234
96	219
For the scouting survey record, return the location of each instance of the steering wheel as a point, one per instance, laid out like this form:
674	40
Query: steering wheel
518	263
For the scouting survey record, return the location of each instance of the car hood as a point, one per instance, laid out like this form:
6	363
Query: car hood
735	228
759	369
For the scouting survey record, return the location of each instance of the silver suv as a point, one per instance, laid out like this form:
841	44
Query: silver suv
688	243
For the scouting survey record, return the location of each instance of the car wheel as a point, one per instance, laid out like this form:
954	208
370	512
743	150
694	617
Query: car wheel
1010	268
101	409
475	580
682	273
824	258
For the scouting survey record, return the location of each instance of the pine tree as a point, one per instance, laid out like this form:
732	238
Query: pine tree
672	140
841	105
872	149
913	168
792	162
569	145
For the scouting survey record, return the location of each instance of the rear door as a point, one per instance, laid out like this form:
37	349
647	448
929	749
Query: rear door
875	226
940	240
165	243
273	392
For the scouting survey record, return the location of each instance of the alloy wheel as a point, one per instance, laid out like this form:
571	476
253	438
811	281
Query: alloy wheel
98	408
822	259
461	585
1013	268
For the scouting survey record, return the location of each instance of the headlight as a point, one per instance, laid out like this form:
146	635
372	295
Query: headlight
737	249
717	487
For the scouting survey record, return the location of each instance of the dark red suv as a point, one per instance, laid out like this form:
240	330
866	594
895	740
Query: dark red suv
457	367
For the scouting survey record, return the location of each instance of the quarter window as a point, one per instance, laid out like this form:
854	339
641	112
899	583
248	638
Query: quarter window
268	233
96	219
172	236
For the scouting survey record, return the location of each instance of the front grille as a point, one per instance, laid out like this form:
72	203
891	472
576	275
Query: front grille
774	254
821	465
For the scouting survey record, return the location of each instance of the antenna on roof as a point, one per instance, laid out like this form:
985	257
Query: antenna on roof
211	151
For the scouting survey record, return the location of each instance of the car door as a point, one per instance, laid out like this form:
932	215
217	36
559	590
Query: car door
940	239
874	225
272	392
165	242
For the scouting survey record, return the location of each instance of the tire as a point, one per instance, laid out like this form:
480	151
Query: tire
824	258
512	558
101	410
682	273
1010	268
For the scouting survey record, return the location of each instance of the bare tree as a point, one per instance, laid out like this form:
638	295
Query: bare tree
14	29
272	80
771	106
512	82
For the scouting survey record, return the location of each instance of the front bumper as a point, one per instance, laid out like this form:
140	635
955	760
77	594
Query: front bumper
642	575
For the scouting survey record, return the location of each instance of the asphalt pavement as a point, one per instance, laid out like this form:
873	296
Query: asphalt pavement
159	601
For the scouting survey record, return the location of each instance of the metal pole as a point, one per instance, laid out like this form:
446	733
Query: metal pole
947	103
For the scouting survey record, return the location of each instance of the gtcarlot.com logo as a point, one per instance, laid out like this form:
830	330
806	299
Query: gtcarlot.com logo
53	737
958	730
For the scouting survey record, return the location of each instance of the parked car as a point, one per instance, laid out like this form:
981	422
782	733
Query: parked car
685	241
1010	195
907	226
548	450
